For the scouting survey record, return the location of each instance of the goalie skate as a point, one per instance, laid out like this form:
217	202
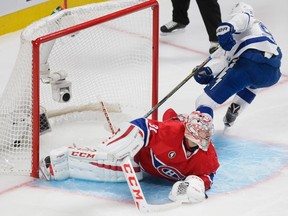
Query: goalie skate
44	169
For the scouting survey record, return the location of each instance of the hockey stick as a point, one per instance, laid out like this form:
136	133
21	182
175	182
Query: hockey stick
106	114
194	71
137	192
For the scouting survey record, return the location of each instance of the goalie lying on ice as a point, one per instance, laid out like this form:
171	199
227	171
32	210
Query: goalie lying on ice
179	149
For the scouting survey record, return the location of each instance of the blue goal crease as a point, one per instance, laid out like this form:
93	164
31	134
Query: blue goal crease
242	163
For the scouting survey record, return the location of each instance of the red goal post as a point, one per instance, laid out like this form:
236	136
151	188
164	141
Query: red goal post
113	56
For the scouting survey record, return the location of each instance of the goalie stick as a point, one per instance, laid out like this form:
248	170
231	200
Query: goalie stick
106	114
137	192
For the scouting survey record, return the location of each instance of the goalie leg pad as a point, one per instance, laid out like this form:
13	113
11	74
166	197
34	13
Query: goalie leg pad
92	165
83	163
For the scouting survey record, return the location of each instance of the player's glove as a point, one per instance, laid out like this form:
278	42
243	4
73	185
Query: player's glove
225	33
127	141
204	76
191	190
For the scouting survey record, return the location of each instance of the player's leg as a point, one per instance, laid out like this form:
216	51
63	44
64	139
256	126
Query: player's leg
239	103
227	83
205	104
264	72
180	17
211	15
82	163
180	11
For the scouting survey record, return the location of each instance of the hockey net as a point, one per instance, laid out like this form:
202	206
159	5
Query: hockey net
69	63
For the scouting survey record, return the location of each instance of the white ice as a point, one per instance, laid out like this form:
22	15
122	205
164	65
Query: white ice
265	121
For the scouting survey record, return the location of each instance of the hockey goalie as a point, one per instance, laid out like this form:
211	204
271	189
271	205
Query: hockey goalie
178	148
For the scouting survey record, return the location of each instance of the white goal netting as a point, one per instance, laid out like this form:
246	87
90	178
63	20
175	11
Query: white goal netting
110	58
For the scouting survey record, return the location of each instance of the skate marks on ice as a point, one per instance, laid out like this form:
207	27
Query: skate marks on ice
244	163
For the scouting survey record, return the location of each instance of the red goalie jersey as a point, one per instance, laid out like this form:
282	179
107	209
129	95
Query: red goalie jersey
166	154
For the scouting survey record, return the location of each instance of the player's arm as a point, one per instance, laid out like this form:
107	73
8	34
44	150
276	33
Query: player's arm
226	30
214	67
142	124
241	22
208	180
128	139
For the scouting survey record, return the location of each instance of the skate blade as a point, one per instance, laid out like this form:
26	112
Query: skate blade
174	32
226	128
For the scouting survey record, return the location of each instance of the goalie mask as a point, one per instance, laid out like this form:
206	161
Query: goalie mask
199	129
242	7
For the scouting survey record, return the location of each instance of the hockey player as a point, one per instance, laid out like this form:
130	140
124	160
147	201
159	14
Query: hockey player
179	149
251	61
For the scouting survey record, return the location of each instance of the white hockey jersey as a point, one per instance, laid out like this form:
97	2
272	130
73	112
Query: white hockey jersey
250	34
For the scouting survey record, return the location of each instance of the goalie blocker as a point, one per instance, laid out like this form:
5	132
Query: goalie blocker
179	149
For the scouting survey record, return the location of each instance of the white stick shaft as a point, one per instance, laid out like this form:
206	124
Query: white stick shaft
137	192
134	185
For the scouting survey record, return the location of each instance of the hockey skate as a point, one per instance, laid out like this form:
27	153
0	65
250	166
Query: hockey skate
231	114
213	47
172	27
44	169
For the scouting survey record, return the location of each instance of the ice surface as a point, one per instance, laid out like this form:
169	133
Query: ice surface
252	179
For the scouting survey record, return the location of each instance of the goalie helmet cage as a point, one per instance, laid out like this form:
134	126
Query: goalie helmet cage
107	50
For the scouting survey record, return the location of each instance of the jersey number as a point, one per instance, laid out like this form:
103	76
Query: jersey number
266	32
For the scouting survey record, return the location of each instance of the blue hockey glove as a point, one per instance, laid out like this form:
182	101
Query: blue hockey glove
225	33
204	76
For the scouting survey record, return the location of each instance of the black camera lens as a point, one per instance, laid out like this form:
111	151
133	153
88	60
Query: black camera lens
66	97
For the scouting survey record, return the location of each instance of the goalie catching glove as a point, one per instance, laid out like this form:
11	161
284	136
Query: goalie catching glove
127	141
191	190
